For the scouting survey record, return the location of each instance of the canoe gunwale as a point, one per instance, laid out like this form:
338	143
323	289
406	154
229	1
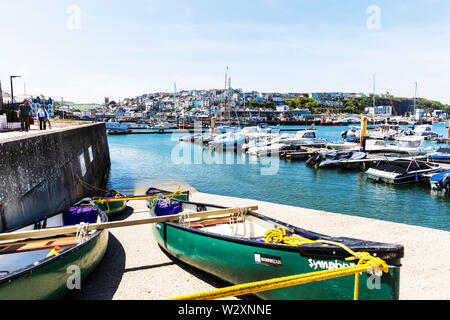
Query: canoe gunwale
385	251
165	192
34	267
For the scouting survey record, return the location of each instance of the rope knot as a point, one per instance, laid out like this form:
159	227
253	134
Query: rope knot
82	231
375	263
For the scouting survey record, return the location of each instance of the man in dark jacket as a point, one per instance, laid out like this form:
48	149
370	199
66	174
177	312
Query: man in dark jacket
24	115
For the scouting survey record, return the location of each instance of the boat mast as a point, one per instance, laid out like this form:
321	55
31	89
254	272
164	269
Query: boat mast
415	99
1	96
225	94
175	99
244	107
229	99
374	92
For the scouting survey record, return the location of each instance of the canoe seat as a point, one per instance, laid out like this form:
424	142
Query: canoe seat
215	221
24	246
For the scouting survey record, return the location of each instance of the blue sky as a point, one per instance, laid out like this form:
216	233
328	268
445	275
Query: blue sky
127	48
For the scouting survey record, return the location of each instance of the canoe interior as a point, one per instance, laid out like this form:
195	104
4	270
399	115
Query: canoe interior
155	191
232	248
253	227
26	254
112	208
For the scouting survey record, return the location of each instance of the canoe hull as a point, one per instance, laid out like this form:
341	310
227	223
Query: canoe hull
54	277
184	197
240	262
113	209
49	282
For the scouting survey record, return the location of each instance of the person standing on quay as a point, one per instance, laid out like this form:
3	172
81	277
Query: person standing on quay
24	115
43	116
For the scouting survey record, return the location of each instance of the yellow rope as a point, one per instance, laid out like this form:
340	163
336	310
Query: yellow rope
94	187
145	197
279	235
126	198
277	283
367	263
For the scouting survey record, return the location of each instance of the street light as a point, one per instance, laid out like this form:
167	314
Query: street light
12	92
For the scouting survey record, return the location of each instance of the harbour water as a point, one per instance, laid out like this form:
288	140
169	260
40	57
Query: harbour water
140	161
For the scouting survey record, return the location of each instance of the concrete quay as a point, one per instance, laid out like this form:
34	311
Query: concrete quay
136	268
40	171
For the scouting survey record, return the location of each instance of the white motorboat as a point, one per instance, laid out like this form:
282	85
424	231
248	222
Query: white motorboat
426	131
305	137
440	181
117	126
267	150
343	146
401	171
405	145
412	145
353	134
230	140
256	140
385	132
442	155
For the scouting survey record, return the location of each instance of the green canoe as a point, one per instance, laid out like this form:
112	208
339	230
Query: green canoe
113	208
237	253
28	273
180	195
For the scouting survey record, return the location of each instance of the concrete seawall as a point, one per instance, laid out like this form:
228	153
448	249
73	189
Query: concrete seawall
39	171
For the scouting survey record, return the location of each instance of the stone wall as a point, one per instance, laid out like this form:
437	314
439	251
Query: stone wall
40	175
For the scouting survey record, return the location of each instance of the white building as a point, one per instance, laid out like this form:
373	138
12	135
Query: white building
380	110
439	114
420	114
283	108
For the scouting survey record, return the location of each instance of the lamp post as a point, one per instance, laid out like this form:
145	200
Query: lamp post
12	92
1	97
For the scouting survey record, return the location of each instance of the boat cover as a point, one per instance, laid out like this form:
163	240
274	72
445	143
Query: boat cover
153	191
110	194
440	176
443	150
76	215
165	206
402	166
329	159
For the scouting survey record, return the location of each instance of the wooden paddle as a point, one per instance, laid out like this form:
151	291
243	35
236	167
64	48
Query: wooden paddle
118	224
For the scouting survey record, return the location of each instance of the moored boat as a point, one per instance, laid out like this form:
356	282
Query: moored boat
385	132
239	249
442	155
179	195
113	208
303	137
42	268
352	135
441	181
401	171
332	159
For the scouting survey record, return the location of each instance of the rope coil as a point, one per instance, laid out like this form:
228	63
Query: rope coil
82	231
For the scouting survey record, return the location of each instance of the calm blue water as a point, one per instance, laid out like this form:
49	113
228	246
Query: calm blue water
140	161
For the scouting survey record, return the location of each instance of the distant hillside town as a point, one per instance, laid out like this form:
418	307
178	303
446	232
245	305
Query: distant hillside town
236	104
